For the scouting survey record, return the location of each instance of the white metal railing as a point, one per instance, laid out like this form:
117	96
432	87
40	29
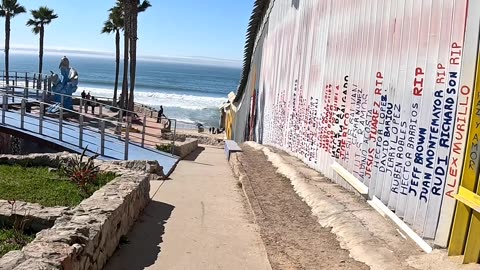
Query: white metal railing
28	97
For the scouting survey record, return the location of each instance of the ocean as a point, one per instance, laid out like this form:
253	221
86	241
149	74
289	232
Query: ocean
189	93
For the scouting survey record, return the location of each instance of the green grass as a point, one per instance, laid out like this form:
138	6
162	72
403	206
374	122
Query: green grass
11	239
38	185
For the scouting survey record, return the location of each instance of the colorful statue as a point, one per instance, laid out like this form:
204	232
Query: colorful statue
66	86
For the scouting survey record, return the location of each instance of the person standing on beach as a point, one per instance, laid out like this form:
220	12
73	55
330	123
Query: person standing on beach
83	94
160	114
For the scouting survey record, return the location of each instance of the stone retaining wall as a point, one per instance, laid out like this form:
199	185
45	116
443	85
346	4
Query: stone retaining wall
86	236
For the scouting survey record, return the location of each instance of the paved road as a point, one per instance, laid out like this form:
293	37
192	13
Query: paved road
196	220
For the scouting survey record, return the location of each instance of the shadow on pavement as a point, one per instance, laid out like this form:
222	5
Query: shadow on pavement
143	247
193	156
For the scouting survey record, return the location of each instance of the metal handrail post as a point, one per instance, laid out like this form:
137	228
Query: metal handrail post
40	118
45	82
22	114
80	130
174	135
4	107
127	131
143	129
102	137
60	120
16	79
100	110
81	105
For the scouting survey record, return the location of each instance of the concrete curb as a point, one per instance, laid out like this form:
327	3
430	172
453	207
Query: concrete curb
241	174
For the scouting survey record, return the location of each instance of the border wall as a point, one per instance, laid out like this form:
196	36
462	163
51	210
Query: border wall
381	96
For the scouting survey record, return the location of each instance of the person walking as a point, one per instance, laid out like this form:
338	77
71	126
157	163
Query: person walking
83	94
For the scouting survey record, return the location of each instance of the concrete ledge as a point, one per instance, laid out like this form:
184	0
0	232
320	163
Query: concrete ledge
86	236
183	149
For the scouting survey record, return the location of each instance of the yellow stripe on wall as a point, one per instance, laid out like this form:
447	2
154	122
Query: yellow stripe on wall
469	179
472	247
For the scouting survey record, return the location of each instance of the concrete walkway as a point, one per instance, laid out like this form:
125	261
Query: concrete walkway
196	220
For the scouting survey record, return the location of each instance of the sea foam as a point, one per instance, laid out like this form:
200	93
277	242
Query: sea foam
155	99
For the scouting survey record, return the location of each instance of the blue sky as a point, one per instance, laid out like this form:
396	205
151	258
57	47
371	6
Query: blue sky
180	28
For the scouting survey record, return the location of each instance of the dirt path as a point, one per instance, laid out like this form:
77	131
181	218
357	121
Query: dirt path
292	237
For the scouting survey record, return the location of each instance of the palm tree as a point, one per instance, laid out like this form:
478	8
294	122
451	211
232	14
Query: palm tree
136	7
9	9
128	7
41	17
125	6
113	25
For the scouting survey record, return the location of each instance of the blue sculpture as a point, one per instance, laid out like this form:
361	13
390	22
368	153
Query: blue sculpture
66	86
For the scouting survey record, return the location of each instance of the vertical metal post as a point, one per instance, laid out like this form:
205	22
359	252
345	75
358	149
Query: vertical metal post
100	108
16	79
4	107
40	118
102	137
25	92
44	96
143	129
80	130
60	120
26	80
174	133
81	105
126	140
45	83
22	114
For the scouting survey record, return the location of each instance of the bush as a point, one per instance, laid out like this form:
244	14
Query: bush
81	173
164	147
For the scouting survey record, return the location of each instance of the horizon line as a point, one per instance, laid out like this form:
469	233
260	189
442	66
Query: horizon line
199	60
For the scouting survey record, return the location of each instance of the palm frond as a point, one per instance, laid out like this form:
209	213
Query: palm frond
11	8
144	5
108	27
